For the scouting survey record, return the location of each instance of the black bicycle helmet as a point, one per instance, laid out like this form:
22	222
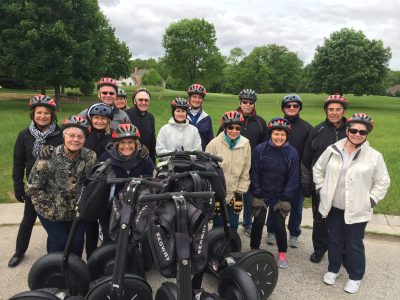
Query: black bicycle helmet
42	100
123	131
198	89
121	93
231	117
100	109
248	94
76	121
291	98
361	118
336	99
279	123
180	102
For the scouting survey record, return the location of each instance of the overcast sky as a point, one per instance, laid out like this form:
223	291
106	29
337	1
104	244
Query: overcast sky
299	25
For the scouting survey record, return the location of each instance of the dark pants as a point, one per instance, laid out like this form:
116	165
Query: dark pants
247	210
279	225
320	230
345	236
295	217
233	219
58	233
25	228
92	237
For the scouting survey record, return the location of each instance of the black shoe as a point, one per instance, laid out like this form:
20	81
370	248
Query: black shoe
316	257
15	260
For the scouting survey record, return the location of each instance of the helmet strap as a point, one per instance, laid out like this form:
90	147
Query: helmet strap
355	145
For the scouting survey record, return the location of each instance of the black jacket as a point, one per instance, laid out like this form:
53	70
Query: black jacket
254	129
145	122
299	134
97	141
23	159
320	137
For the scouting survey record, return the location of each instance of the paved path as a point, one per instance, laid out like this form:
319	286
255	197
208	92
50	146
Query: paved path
302	280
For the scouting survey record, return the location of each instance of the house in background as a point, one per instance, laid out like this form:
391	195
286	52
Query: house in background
394	90
134	79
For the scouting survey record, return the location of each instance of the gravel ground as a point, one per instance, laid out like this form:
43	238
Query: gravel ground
302	280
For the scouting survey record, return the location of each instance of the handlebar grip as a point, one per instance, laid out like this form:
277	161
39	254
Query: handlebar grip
118	180
156	184
167	196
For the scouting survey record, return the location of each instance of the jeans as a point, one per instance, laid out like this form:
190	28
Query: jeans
295	217
233	219
58	233
247	210
345	236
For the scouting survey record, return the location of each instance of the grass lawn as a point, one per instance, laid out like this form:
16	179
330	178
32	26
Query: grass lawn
14	116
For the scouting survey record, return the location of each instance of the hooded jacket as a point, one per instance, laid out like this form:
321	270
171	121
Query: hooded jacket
366	178
202	122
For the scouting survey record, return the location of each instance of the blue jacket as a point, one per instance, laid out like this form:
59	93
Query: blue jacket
204	126
274	172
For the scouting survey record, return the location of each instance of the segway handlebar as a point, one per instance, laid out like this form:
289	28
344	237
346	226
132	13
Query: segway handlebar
111	180
167	196
197	153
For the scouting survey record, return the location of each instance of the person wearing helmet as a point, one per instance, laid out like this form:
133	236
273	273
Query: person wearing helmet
351	178
231	145
274	181
55	183
99	116
321	137
107	92
178	134
43	130
120	102
255	130
144	120
291	106
197	116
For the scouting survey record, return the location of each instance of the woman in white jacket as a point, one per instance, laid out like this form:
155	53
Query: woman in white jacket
351	177
178	134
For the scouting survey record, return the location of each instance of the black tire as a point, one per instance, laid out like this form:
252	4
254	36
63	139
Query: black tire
146	254
167	291
43	294
46	273
216	238
236	284
262	267
101	261
134	287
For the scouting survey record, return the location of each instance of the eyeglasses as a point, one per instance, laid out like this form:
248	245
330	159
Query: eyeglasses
292	105
247	102
108	93
361	132
143	100
75	136
232	127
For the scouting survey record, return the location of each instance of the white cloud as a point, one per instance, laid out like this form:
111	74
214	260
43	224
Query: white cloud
298	25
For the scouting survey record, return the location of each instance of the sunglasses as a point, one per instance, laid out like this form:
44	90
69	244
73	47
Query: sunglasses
361	132
247	102
108	93
232	127
292	105
143	100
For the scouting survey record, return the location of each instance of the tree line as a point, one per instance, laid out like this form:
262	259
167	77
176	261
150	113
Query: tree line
70	43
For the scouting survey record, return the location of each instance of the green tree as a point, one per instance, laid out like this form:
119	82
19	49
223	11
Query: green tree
232	78
55	43
348	62
191	54
152	78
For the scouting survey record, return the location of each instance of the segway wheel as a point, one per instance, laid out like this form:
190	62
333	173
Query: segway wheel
42	294
167	291
216	239
134	287
236	284
101	261
262	267
46	273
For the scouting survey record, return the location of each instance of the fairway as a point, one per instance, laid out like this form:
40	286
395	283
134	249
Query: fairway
14	116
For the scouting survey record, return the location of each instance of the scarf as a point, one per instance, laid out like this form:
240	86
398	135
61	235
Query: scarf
231	143
40	136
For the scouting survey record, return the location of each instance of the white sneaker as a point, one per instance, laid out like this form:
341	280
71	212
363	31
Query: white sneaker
271	239
352	286
330	277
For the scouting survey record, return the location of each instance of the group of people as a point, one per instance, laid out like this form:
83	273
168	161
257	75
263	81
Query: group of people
269	168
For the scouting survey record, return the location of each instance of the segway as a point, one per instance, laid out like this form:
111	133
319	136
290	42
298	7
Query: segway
121	285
